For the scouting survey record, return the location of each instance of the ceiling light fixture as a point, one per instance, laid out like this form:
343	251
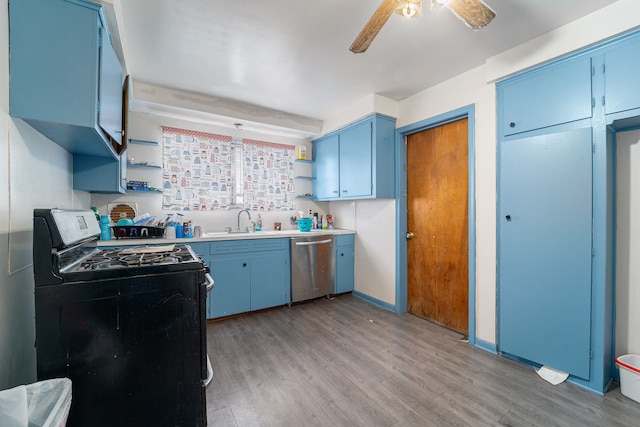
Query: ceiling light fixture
409	8
436	4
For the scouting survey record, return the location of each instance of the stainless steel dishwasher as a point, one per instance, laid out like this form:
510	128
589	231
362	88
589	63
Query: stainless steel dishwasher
312	267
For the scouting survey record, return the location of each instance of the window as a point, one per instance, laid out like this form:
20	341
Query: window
204	171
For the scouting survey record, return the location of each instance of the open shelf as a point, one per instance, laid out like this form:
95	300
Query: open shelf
142	142
142	166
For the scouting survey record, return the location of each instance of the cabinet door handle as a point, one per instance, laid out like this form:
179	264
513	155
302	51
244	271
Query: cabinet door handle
244	264
512	124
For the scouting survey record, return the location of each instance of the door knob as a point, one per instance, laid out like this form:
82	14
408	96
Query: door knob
409	235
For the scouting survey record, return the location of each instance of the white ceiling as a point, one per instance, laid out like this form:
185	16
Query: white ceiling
293	56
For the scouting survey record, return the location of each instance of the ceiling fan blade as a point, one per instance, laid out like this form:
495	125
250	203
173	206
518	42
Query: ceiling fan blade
375	24
475	13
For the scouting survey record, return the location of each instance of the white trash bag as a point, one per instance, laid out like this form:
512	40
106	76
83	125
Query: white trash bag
41	404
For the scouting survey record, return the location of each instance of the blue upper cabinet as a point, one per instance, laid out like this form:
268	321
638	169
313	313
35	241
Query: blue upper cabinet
549	96
65	79
622	85
100	174
356	162
326	172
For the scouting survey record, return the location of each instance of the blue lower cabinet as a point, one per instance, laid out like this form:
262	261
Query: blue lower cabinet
231	293
345	272
249	275
270	274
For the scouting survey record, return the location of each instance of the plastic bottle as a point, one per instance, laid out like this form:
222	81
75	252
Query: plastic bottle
97	214
259	223
105	228
187	230
325	224
179	230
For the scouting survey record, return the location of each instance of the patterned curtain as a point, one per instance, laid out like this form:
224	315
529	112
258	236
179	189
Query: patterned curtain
205	171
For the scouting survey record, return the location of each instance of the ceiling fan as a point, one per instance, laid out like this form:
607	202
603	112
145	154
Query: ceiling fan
475	13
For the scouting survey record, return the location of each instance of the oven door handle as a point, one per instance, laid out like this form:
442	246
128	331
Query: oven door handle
207	381
210	282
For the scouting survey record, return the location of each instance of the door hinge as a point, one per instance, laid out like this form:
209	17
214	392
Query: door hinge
593	71
98	107
593	251
593	102
590	354
603	100
603	68
404	167
593	148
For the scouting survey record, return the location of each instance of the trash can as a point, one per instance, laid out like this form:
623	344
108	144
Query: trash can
629	365
41	404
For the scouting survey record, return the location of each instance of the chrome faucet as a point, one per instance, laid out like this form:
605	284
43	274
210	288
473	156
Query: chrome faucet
248	213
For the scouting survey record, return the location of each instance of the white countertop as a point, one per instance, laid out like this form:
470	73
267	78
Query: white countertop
221	235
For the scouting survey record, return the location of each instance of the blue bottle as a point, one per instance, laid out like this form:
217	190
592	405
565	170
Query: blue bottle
105	229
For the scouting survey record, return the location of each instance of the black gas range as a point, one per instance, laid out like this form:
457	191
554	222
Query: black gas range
126	325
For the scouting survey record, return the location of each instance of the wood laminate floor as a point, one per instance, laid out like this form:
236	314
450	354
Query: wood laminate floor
345	362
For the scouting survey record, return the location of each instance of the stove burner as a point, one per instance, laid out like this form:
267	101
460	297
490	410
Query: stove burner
120	258
95	265
146	259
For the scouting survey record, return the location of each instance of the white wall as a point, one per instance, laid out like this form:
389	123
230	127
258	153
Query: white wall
147	126
477	87
376	248
35	173
628	243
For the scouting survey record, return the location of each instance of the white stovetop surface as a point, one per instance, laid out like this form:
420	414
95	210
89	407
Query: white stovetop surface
221	235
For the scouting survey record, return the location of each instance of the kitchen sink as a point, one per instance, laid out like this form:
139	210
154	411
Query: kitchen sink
238	233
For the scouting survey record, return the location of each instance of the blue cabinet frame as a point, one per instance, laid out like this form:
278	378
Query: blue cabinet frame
356	162
249	275
345	271
614	92
66	82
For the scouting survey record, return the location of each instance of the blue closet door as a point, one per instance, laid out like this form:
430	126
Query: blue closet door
544	265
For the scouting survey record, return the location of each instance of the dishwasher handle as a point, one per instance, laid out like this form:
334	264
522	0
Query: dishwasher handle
315	242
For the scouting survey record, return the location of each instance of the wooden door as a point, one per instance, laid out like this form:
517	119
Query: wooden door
437	203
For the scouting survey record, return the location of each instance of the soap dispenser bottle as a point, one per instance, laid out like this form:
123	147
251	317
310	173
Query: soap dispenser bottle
259	223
